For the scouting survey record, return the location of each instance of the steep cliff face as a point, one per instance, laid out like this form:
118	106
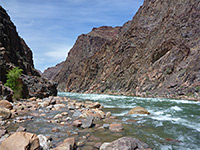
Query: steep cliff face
13	49
86	46
158	54
14	52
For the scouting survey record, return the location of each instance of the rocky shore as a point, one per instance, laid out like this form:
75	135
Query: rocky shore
61	123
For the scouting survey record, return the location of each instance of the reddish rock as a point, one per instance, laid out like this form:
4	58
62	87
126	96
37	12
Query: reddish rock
138	110
116	127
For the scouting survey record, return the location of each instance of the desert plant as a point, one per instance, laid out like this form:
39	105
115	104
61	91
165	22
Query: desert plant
13	81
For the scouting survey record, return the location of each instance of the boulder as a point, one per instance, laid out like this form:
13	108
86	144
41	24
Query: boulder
77	123
138	110
5	113
55	129
115	127
3	132
21	141
106	126
125	143
95	105
34	86
6	104
21	129
45	143
88	122
68	144
5	92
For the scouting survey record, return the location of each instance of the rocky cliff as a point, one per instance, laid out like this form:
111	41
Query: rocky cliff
85	47
158	54
14	52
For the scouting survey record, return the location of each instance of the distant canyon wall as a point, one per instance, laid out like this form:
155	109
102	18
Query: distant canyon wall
156	54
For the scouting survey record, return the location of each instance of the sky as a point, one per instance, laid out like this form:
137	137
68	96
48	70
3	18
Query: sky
51	27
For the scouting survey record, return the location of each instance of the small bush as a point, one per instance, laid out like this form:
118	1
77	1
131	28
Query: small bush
13	81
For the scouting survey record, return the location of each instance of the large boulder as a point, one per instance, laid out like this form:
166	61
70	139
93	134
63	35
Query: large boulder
21	141
138	110
5	92
6	104
34	86
125	143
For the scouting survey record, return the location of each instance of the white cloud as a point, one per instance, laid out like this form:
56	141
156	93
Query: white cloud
58	52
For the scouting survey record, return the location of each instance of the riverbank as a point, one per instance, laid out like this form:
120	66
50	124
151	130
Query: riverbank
59	121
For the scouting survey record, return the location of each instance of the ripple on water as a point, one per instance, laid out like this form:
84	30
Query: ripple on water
169	118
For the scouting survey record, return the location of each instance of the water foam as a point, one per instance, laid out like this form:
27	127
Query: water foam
176	108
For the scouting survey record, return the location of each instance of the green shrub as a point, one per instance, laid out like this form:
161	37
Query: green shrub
13	81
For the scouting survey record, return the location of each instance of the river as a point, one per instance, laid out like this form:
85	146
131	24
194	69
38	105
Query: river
172	124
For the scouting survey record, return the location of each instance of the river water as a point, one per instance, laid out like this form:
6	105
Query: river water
172	124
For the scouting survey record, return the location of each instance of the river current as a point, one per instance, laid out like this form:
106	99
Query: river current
172	124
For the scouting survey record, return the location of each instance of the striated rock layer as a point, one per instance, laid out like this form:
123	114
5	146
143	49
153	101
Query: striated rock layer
85	47
156	54
14	52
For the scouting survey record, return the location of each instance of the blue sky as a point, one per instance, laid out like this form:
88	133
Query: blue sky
51	27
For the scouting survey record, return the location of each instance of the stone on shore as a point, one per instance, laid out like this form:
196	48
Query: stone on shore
77	123
125	143
94	105
45	143
6	104
115	127
5	113
138	110
88	122
21	141
68	144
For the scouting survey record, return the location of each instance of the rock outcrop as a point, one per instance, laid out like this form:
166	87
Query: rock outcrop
51	72
85	47
156	54
5	92
15	53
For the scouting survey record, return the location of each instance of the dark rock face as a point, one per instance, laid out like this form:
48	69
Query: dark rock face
34	86
13	49
156	54
14	52
5	92
86	46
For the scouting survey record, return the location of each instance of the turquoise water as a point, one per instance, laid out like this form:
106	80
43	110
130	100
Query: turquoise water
172	124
